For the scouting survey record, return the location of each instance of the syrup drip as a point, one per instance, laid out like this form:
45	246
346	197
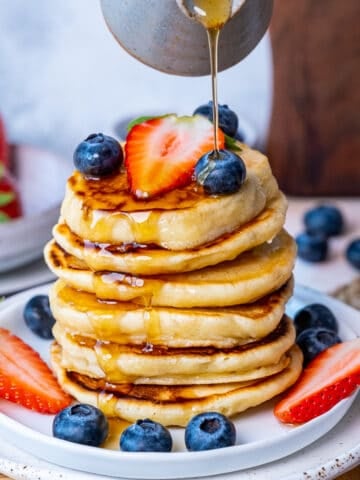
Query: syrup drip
212	15
116	427
152	324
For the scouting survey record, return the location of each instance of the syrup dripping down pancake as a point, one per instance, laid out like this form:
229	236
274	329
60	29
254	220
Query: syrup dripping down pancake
126	322
120	363
151	260
250	276
179	412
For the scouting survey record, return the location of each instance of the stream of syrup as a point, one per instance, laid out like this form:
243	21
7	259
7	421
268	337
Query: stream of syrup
212	15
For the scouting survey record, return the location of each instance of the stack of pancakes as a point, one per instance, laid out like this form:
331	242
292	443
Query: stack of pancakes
172	306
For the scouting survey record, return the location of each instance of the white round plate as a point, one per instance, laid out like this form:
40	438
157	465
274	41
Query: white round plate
260	437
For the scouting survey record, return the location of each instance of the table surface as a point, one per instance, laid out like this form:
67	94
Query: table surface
335	271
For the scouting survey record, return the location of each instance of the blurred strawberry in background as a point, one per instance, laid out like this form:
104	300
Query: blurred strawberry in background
3	145
10	206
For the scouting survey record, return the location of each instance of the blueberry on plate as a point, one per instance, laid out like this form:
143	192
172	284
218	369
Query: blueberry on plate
228	120
353	253
312	248
146	436
223	175
313	316
208	431
81	423
38	316
312	341
98	155
325	220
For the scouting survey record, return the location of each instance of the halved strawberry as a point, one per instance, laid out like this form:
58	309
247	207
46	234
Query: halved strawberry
3	144
331	376
160	154
10	206
26	379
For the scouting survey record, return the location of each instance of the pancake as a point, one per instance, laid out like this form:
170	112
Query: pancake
160	391
125	322
160	364
103	210
250	276
151	260
179	412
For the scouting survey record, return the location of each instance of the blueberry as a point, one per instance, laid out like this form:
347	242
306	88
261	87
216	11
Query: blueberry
353	253
81	423
312	248
224	175
312	341
228	120
326	220
146	436
208	431
313	316
98	155
38	316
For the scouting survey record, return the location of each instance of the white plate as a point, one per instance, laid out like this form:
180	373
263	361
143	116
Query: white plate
261	439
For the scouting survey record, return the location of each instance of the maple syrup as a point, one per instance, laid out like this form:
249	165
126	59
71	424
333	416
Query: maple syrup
116	427
212	15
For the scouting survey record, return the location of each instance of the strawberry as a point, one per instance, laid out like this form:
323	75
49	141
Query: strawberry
331	376
26	379
3	145
161	153
9	199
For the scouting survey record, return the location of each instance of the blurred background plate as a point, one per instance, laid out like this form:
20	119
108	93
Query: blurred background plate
34	273
41	177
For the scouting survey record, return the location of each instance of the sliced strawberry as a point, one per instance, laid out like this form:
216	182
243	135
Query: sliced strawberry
160	154
3	144
331	376
10	206
26	379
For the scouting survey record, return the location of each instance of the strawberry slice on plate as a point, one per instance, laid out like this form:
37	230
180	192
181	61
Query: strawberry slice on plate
26	379
331	376
161	153
3	144
10	206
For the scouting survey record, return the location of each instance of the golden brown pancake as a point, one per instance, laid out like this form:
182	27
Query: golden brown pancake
119	363
151	260
125	322
180	411
104	211
250	276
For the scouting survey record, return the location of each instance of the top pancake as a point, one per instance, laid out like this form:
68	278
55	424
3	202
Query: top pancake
104	211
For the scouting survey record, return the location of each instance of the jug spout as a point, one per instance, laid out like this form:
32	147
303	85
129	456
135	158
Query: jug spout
159	34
